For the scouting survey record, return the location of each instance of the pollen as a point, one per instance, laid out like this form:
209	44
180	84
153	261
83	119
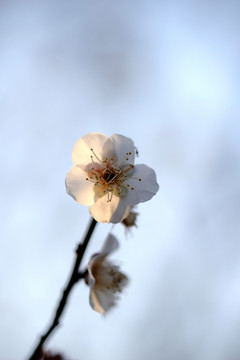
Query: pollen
109	177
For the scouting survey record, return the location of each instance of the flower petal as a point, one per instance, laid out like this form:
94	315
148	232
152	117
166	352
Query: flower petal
143	181
78	187
121	148
91	279
105	300
99	300
95	303
113	211
81	153
110	245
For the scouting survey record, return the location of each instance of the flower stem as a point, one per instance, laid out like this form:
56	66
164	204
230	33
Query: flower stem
74	277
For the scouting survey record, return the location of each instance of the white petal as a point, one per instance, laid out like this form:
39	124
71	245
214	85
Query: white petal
109	212
99	300
118	146
81	153
110	245
95	303
91	279
78	187
121	211
102	301
144	184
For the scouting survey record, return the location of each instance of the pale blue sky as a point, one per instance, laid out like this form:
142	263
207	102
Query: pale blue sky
166	74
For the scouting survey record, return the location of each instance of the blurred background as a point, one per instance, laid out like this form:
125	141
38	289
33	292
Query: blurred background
166	74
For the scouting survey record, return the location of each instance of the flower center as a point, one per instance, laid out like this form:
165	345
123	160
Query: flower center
108	178
118	279
109	278
109	175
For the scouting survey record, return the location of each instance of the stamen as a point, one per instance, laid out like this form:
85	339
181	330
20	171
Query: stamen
122	160
111	195
95	156
110	177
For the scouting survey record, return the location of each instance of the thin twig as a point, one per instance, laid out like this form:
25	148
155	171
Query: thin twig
74	277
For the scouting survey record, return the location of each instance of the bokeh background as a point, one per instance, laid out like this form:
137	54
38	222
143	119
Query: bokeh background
166	74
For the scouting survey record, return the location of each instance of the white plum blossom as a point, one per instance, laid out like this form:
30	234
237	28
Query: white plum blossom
105	178
104	279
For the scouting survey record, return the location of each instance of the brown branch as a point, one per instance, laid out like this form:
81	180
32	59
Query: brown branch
74	277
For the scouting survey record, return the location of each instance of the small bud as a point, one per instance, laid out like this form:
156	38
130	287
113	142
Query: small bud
130	219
